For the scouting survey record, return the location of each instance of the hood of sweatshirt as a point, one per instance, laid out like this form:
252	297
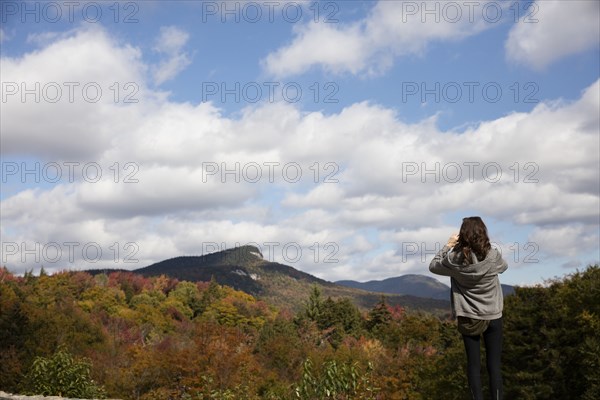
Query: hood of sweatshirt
471	274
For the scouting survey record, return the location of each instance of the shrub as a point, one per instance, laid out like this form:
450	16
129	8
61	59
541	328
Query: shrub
62	375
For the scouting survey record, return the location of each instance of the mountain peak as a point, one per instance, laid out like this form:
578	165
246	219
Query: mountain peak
242	255
244	268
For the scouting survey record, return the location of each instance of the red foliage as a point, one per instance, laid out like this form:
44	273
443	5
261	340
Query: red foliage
7	276
129	281
397	312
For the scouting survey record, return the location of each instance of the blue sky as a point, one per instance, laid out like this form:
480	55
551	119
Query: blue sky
345	138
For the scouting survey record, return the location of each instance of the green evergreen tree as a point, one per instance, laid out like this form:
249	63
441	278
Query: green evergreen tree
551	341
314	306
379	315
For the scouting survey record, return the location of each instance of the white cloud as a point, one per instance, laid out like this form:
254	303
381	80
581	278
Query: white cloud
45	38
392	29
560	29
171	42
338	51
5	36
566	240
377	205
61	109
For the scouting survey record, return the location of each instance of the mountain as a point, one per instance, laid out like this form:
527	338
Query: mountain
414	285
245	269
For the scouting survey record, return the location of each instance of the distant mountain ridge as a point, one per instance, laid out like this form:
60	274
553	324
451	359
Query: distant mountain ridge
411	284
245	269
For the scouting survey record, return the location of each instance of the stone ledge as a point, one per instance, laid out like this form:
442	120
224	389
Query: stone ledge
8	396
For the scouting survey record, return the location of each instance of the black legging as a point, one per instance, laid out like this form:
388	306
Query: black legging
492	338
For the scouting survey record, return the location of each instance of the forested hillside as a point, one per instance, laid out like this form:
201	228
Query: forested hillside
132	337
244	268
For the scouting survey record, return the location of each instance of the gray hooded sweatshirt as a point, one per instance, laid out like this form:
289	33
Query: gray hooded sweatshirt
475	288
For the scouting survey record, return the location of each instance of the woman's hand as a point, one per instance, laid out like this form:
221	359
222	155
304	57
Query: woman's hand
453	240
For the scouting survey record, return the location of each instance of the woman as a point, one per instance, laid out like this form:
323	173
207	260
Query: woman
473	267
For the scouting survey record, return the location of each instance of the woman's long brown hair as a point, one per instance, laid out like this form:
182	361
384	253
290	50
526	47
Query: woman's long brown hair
473	239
